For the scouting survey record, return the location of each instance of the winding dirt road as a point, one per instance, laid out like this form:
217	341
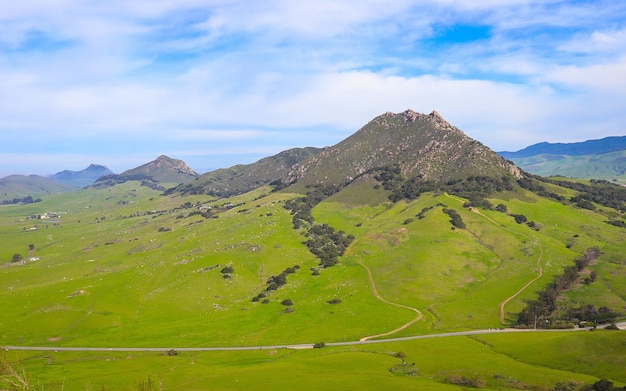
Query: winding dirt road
539	267
380	298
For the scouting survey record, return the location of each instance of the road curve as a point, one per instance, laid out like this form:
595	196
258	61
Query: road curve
380	298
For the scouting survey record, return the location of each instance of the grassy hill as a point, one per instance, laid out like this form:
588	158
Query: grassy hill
609	166
14	186
593	159
242	178
125	266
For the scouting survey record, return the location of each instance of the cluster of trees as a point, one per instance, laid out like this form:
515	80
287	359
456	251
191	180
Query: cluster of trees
532	183
227	271
300	208
21	200
600	385
327	244
475	186
322	240
600	192
274	282
542	312
455	218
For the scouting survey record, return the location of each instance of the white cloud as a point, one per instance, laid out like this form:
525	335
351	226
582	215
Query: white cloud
224	74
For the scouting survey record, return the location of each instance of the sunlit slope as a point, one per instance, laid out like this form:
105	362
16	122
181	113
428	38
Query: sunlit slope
460	277
125	266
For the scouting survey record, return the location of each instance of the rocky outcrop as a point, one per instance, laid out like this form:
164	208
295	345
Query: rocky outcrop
424	145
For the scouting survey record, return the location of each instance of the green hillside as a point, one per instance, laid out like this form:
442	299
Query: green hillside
607	166
127	267
20	186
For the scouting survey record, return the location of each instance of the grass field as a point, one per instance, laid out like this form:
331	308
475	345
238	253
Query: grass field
127	267
535	361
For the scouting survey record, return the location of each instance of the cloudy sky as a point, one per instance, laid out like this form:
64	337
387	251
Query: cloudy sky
219	82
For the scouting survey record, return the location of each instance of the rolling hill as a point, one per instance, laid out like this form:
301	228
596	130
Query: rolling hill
432	234
246	177
593	159
30	185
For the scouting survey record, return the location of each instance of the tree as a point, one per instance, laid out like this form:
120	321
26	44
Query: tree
603	385
227	270
287	302
501	208
16	258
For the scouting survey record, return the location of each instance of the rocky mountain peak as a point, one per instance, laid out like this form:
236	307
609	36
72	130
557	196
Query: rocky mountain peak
165	166
424	145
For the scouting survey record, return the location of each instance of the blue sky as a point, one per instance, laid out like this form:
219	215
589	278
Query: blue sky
217	82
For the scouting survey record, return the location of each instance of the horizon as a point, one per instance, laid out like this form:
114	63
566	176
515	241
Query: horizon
217	83
200	172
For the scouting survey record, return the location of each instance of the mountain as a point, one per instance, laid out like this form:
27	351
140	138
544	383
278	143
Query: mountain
423	145
84	177
593	159
161	170
32	185
246	177
585	148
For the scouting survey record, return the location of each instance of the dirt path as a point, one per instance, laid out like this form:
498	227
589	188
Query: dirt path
539	267
379	297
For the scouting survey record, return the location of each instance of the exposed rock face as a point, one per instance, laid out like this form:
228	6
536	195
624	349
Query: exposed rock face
162	170
423	145
165	169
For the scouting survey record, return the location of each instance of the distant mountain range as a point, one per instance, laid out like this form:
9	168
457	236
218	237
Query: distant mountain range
593	159
423	145
82	178
163	170
584	148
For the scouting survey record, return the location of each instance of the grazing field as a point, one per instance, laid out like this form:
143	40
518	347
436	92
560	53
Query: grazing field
513	361
125	266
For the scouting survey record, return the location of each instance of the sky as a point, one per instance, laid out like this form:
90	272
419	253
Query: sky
219	82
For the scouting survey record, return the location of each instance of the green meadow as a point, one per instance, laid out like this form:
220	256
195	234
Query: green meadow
127	267
515	361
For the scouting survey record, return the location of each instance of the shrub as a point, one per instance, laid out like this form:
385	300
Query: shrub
227	270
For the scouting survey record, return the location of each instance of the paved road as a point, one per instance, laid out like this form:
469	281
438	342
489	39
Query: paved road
295	346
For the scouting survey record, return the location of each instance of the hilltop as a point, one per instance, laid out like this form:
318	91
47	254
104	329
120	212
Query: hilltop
421	145
84	177
162	170
418	145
